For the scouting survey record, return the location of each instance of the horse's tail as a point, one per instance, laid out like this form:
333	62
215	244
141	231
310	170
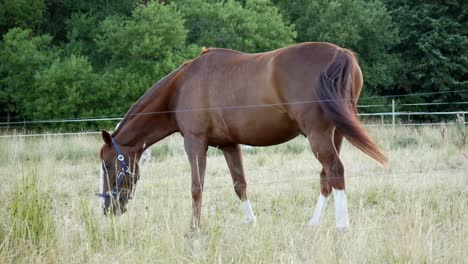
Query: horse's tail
336	93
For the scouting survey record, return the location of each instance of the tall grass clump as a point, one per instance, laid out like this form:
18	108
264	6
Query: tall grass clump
91	224
31	216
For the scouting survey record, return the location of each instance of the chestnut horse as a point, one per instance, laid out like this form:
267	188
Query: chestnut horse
225	98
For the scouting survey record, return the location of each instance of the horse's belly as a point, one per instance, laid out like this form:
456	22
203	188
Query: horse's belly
261	128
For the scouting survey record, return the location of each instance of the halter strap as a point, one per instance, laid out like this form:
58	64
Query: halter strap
124	172
121	158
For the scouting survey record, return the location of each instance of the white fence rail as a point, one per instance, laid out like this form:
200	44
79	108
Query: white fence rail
458	116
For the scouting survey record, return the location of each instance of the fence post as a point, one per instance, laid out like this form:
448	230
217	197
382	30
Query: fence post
382	120
393	113
461	116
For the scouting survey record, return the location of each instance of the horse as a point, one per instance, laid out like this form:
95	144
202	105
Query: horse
224	98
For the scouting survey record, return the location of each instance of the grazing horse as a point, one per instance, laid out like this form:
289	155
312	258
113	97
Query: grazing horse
225	98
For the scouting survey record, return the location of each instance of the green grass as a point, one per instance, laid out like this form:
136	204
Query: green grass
89	219
30	218
414	211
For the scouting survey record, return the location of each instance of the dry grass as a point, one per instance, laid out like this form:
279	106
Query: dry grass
412	212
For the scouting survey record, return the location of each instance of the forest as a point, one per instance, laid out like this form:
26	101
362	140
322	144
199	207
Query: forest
95	58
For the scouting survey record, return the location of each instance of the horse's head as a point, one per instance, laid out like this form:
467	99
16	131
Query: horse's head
119	174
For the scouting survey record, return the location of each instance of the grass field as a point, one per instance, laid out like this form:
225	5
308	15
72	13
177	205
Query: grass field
414	211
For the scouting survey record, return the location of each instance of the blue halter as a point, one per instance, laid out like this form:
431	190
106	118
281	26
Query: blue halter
122	174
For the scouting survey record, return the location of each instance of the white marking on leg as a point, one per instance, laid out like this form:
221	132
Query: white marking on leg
341	210
101	186
249	215
319	210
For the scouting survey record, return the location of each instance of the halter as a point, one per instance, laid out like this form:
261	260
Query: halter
122	174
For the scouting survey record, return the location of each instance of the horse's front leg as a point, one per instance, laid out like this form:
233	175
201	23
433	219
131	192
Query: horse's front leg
196	151
233	157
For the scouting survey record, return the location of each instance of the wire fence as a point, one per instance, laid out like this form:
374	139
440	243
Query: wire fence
93	133
452	117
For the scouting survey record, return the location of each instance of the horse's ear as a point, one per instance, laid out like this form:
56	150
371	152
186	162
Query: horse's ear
106	137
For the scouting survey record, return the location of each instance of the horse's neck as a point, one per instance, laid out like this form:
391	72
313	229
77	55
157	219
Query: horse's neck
148	121
144	131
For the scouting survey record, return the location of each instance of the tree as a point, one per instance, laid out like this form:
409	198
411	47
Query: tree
66	89
81	25
21	13
139	50
59	13
253	27
22	55
433	49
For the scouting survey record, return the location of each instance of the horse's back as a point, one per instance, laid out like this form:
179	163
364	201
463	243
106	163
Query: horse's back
249	94
285	74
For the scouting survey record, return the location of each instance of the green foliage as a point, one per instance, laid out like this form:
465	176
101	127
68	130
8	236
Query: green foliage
253	27
21	13
59	13
81	32
434	37
21	55
139	50
70	86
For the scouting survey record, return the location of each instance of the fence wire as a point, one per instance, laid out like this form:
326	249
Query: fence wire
93	133
235	107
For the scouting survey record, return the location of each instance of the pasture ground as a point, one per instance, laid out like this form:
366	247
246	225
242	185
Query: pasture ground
414	211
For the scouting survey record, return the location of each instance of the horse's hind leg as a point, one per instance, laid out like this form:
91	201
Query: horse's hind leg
341	204
337	140
234	160
331	177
